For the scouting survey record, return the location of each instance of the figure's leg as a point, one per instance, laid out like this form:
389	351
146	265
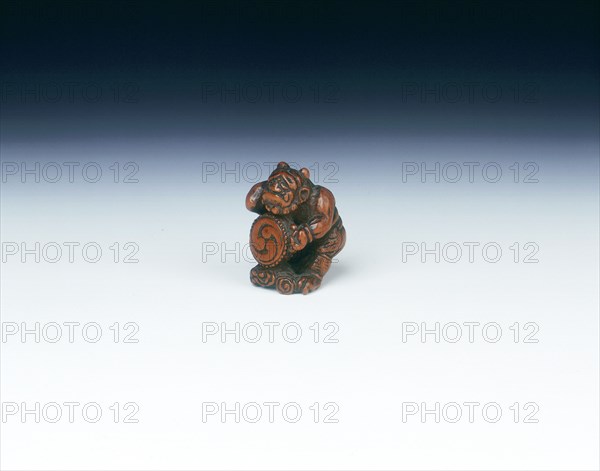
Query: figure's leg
326	249
334	241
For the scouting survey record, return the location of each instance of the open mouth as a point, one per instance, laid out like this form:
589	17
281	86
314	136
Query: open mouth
282	198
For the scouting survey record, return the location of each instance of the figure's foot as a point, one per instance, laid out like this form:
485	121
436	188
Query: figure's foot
261	276
307	283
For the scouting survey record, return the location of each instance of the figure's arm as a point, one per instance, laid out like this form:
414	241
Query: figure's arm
254	198
319	224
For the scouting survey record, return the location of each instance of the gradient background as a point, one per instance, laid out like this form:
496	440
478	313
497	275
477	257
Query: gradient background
363	58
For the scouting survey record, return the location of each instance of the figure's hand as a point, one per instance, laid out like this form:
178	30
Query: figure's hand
301	237
254	198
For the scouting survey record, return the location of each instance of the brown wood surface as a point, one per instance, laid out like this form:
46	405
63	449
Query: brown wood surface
297	234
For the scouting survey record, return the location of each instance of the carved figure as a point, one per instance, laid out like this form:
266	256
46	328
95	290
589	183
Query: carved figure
297	234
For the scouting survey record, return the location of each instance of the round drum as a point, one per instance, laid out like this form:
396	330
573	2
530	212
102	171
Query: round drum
269	240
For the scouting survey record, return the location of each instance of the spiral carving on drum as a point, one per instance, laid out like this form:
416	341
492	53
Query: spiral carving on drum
268	237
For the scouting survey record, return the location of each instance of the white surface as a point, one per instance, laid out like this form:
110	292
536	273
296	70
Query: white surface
369	294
